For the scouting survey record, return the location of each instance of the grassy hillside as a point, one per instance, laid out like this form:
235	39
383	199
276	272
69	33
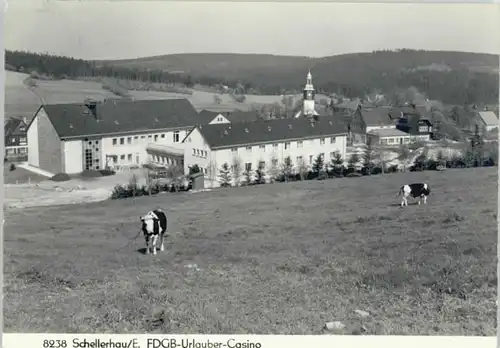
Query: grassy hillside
273	259
23	99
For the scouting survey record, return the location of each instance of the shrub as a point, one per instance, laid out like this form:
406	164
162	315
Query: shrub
353	175
12	167
322	175
119	192
60	177
107	172
392	169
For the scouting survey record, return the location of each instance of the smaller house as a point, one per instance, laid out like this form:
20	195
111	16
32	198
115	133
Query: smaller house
388	136
16	139
418	129
378	118
489	120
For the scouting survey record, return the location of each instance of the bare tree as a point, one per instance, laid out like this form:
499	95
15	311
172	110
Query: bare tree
176	174
287	168
274	169
212	172
236	170
403	155
303	170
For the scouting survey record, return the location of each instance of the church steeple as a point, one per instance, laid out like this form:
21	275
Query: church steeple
309	93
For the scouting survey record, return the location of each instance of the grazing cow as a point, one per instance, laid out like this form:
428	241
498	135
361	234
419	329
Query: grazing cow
154	226
417	190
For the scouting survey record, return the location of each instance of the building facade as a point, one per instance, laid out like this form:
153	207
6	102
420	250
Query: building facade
72	138
263	144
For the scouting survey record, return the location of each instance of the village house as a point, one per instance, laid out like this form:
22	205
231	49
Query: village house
488	121
388	136
266	144
415	121
71	138
16	140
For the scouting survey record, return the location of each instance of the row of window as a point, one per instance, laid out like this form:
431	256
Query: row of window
299	145
165	160
22	140
141	139
200	153
123	158
298	161
399	140
16	151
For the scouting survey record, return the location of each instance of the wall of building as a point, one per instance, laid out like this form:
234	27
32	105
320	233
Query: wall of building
33	158
273	154
73	156
49	147
198	152
491	127
131	149
396	140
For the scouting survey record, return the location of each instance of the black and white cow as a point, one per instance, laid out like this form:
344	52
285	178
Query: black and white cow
154	226
416	190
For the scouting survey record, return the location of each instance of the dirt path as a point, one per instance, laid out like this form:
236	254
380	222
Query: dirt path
67	192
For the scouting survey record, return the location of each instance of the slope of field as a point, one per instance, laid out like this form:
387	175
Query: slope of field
272	259
21	101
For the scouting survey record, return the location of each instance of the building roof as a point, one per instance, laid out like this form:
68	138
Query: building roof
350	105
388	132
242	116
238	134
164	149
377	116
234	116
489	117
77	120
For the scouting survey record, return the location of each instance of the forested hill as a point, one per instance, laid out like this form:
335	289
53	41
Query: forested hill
452	77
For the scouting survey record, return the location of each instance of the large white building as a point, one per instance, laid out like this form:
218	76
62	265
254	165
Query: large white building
71	138
248	146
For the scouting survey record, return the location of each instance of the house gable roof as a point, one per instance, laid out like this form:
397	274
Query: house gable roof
488	117
114	117
378	116
11	125
239	134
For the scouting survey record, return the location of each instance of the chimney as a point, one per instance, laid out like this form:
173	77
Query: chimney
25	120
92	106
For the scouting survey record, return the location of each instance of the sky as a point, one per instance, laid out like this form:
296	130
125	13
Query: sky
130	29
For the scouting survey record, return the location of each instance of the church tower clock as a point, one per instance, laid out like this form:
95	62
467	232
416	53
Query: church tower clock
309	93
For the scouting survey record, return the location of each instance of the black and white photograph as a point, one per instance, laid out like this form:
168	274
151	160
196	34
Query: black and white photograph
294	168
